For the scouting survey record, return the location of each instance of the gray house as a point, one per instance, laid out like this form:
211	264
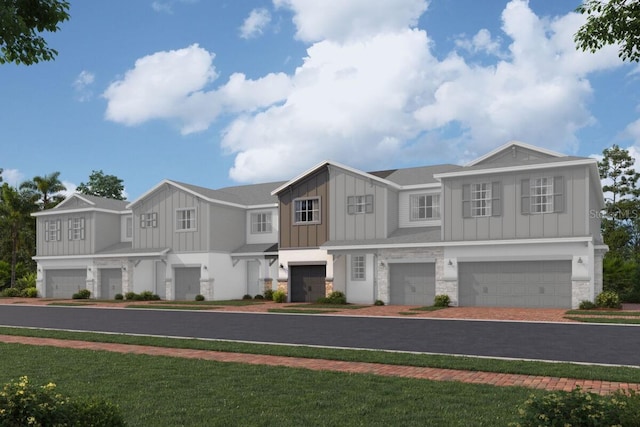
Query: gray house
517	227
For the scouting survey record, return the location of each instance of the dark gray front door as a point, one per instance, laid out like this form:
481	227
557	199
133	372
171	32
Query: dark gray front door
412	283
110	282
308	283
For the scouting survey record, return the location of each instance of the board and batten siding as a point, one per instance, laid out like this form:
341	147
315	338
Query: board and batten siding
264	237
305	235
63	245
165	201
107	230
355	226
512	223
227	228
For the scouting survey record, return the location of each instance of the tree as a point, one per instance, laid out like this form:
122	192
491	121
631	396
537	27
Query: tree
16	223
22	21
48	186
611	22
109	186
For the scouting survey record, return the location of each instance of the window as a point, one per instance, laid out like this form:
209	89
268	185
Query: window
129	227
52	230
481	199
149	220
358	267
186	219
424	206
360	204
306	211
542	195
76	229
261	222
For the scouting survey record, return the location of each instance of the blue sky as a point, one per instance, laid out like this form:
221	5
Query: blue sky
219	93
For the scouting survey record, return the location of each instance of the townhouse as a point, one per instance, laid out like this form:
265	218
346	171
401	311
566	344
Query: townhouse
518	226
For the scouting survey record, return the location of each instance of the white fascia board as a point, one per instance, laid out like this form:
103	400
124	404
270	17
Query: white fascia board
519	144
75	195
254	254
519	168
436	186
148	192
269	206
93	256
462	243
79	210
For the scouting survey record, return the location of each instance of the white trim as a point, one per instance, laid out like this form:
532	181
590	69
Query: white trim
518	144
189	221
74	195
253	254
519	168
421	186
89	257
50	212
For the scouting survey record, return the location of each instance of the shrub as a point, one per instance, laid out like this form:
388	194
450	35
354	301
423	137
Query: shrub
11	292
335	297
22	403
30	292
608	299
130	296
247	296
82	294
26	281
378	302
199	297
586	305
442	300
259	296
268	294
119	296
578	408
148	296
280	296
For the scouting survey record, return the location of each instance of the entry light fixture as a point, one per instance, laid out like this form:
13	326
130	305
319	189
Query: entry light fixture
450	262
579	260
204	267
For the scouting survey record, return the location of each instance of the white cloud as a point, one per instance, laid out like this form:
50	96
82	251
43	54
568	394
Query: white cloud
255	23
82	85
13	177
70	188
162	7
481	42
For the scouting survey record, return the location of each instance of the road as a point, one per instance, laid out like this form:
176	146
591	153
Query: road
588	343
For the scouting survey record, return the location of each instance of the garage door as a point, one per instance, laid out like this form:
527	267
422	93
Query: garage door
515	284
412	284
65	283
308	283
110	282
187	280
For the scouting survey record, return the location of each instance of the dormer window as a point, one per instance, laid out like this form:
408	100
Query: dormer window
425	207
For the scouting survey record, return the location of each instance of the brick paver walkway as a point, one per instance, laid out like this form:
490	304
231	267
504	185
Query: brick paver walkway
536	382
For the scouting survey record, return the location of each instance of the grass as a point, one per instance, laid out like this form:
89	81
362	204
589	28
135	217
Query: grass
567	370
618	320
428	308
300	311
71	304
172	307
233	303
318	305
604	313
164	391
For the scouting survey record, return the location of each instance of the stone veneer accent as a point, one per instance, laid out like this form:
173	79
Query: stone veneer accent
268	284
580	292
597	276
328	287
206	288
283	285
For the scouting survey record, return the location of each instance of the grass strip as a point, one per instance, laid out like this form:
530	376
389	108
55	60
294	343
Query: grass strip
233	303
171	307
71	304
428	308
591	313
316	305
566	370
300	311
615	320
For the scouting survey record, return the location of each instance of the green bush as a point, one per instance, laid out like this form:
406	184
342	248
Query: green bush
587	305
378	302
247	296
22	404
11	292
335	297
199	297
442	300
130	296
30	292
27	281
608	299
119	297
148	296
268	294
579	408
82	294
259	296
280	296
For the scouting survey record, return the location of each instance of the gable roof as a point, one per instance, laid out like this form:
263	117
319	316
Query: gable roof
512	145
92	203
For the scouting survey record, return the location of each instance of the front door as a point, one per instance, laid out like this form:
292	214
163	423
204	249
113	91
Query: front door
308	283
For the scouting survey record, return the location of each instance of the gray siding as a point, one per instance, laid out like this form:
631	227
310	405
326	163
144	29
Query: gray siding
355	226
107	230
228	228
512	223
64	246
392	211
514	155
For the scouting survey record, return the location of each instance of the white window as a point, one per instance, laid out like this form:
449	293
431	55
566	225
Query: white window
424	206
306	211
541	195
129	227
360	204
76	229
358	267
52	230
149	220
481	199
261	222
186	219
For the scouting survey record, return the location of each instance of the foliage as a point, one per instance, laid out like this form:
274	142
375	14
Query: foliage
247	296
82	294
587	305
21	23
579	408
199	297
31	292
11	292
101	185
119	297
49	187
335	297
608	299
129	296
442	300
620	274
268	294
23	404
611	22
27	281
280	296
258	296
149	296
378	302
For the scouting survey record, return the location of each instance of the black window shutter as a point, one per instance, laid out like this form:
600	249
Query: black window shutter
369	203
58	229
525	198
496	199
466	201
81	228
558	194
351	205
46	231
70	229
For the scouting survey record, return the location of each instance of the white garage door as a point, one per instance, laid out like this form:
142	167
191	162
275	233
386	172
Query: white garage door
65	283
412	284
110	282
187	280
515	284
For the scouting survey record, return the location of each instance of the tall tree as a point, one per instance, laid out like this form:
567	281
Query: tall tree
16	222
109	186
49	187
611	22
22	22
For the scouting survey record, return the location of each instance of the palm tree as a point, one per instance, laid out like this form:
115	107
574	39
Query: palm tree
16	223
48	186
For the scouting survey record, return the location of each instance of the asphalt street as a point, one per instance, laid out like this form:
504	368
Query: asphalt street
589	343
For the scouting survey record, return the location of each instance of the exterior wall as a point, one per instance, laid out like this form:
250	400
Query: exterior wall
62	264
512	224
392	211
107	230
290	257
404	209
513	156
263	237
227	228
305	236
164	201
595	215
360	226
123	227
64	246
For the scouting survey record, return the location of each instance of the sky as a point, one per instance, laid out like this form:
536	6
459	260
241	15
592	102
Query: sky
219	93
